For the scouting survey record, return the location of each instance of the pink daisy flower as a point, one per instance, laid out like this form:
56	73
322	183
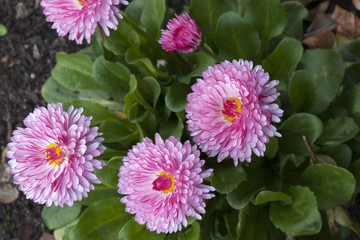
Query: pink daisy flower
183	35
230	111
80	18
52	158
163	183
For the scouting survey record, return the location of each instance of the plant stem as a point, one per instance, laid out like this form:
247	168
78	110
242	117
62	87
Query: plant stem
210	54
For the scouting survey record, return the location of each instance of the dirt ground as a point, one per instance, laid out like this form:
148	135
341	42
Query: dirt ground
27	55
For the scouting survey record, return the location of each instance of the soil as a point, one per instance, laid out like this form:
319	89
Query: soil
27	55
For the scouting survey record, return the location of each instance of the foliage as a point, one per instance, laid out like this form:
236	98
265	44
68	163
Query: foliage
133	89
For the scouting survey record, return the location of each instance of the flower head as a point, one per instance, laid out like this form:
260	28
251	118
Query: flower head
183	35
80	18
230	110
163	183
52	157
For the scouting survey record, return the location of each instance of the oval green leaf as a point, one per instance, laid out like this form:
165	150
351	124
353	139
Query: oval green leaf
133	230
302	91
57	217
282	61
338	130
74	71
101	220
270	196
327	69
293	130
232	34
299	218
226	177
331	185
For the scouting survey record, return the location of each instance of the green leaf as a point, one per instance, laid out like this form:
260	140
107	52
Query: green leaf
63	233
206	13
293	130
53	91
282	61
121	39
3	30
232	222
135	56
302	90
119	130
203	61
340	153
352	102
327	69
101	220
108	175
350	52
232	34
93	101
113	77
331	185
296	13
133	230
99	193
91	108
150	89
134	9
152	16
254	229
269	19
338	130
134	97
57	217
193	233
272	147
175	98
257	180
226	177
74	71
351	74
173	126
299	218
269	196
354	168
289	162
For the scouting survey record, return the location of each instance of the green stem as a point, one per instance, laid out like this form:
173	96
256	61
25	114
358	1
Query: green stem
171	58
210	54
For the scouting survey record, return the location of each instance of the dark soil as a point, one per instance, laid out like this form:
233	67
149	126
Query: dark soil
27	55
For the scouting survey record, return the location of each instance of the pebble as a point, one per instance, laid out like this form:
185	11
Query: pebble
21	11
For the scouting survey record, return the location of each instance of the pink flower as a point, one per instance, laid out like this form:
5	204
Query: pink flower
163	183
81	17
230	111
52	157
183	35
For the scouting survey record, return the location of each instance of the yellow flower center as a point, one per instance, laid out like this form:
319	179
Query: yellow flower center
82	2
231	108
54	154
164	182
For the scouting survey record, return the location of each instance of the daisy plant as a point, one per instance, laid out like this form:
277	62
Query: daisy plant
211	123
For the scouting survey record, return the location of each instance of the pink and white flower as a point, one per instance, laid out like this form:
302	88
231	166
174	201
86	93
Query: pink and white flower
230	110
80	18
183	35
52	158
163	183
